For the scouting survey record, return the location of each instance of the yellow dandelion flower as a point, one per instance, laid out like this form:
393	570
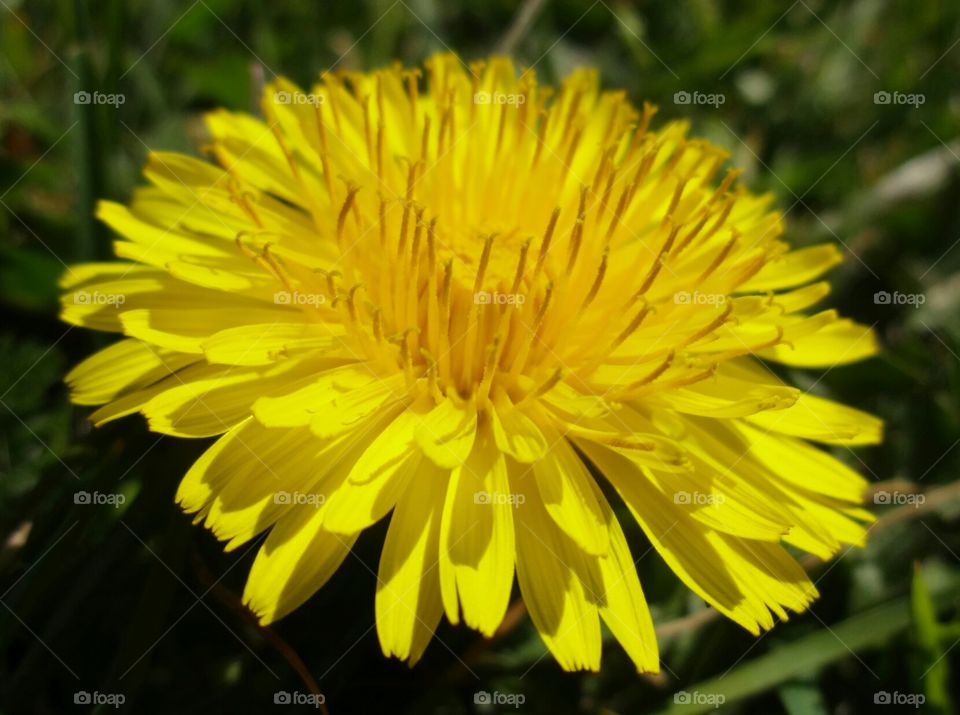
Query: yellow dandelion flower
460	297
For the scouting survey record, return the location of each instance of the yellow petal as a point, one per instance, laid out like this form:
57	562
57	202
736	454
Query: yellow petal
252	476
160	242
135	400
840	343
823	527
563	611
209	405
566	401
769	577
408	604
743	579
297	558
264	343
477	539
332	402
565	489
822	420
795	268
83	274
246	146
446	434
186	328
203	479
623	606
343	413
804	465
517	434
725	490
126	365
724	397
232	274
802	298
285	471
377	479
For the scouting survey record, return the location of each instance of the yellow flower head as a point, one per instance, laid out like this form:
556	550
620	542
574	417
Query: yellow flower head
460	297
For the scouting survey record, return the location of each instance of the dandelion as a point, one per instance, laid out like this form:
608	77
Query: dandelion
482	308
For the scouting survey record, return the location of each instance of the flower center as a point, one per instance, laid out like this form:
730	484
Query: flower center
511	244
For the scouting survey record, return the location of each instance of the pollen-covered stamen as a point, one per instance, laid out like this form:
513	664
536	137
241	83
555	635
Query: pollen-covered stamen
275	266
597	282
376	315
324	151
657	264
543	387
411	77
493	351
637	321
334	89
605	198
468	348
345	211
436	221
432	298
533	341
576	235
245	200
720	257
632	390
434	386
382	222
545	243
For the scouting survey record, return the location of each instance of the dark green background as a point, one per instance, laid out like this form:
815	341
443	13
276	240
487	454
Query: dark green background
137	601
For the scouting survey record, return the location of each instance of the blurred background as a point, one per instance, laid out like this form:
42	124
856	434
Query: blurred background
846	111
